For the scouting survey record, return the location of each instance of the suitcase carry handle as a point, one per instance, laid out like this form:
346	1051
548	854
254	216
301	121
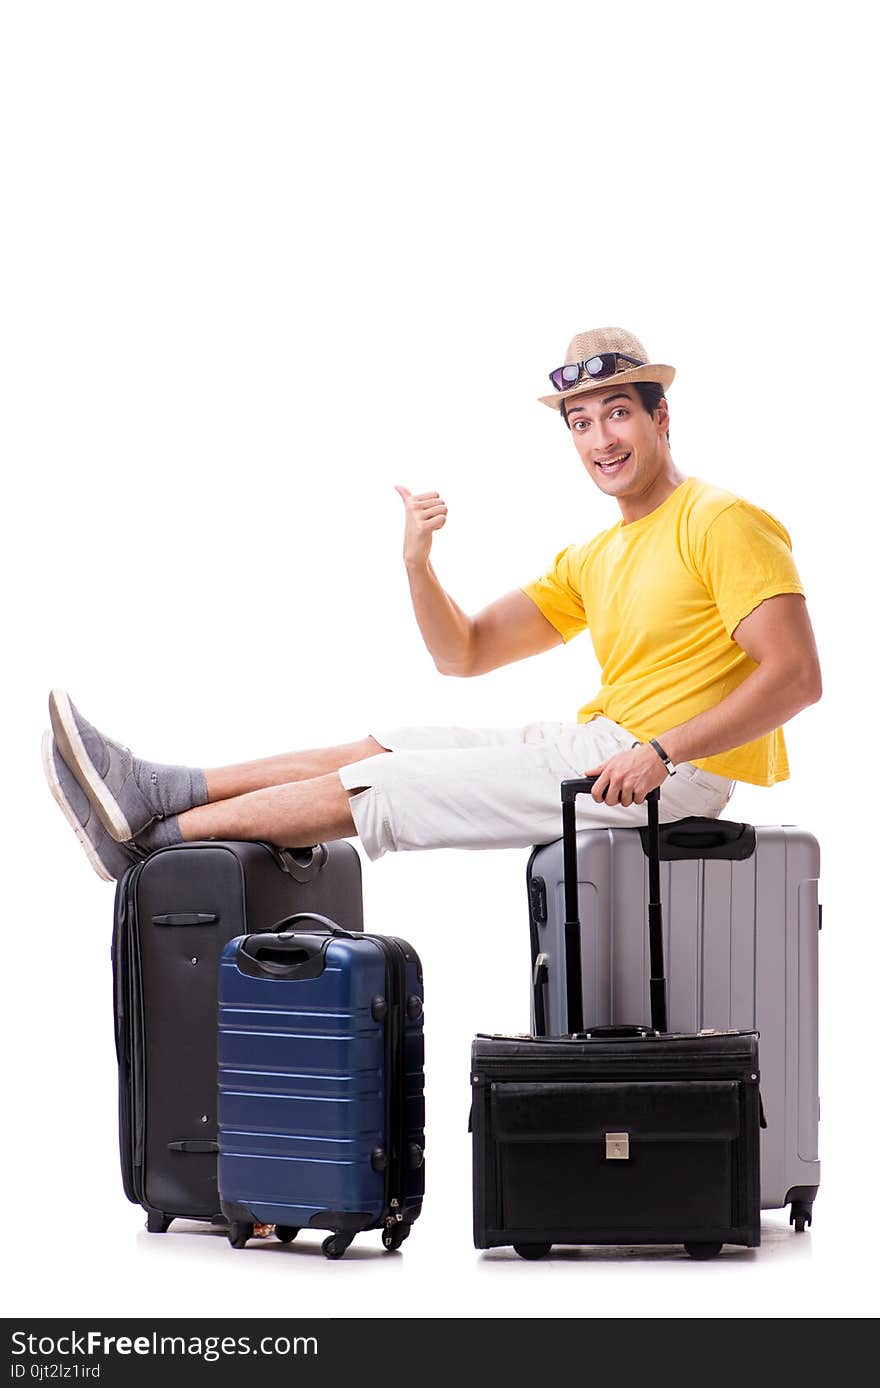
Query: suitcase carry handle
330	926
621	1033
701	837
279	957
570	791
284	953
697	838
302	864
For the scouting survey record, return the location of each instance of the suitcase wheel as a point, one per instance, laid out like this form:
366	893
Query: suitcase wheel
285	1232
702	1251
800	1215
392	1238
239	1234
335	1245
532	1251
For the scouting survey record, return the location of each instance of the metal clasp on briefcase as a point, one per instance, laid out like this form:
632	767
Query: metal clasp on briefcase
617	1146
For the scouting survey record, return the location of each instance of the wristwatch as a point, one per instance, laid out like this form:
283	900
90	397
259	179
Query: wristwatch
663	757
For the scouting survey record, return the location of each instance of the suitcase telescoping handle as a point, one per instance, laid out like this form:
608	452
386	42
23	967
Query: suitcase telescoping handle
570	791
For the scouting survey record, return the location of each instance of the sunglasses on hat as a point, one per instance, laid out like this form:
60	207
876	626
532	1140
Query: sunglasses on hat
596	368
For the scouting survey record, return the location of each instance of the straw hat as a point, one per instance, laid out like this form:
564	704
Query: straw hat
591	344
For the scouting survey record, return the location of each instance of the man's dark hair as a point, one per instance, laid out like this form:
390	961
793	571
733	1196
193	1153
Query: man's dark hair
649	392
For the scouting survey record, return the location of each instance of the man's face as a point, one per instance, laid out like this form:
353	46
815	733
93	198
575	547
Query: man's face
619	443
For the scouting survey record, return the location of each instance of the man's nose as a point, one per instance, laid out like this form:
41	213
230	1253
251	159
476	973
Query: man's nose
604	437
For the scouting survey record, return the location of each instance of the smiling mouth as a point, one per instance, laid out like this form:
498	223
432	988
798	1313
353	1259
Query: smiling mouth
614	464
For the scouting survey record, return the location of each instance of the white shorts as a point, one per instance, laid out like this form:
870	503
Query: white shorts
499	787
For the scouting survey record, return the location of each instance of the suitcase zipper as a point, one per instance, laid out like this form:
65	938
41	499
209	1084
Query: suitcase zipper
131	1084
395	1072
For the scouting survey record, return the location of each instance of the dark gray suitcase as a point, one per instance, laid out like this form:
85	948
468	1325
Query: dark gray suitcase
175	912
741	935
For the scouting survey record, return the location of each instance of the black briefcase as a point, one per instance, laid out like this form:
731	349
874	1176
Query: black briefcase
619	1135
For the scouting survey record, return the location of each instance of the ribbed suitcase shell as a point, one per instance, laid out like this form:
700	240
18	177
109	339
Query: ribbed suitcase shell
165	995
303	1087
741	942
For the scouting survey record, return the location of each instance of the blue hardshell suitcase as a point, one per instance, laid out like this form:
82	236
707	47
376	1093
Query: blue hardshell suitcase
321	1083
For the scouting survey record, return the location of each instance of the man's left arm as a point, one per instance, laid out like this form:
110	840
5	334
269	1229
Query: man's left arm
778	636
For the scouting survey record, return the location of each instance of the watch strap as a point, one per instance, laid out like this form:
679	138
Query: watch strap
663	757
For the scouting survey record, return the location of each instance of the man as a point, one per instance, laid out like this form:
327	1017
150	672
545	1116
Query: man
697	616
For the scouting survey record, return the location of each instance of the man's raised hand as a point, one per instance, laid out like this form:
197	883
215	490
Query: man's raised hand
425	513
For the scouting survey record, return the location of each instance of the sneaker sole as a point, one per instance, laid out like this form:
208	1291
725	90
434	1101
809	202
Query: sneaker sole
73	751
67	809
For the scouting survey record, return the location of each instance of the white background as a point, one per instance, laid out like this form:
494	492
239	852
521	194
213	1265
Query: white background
264	261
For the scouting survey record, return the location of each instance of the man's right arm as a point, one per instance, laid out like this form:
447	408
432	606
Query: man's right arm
509	629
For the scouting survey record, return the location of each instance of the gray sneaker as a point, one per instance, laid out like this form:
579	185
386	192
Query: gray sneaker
103	769
109	858
127	793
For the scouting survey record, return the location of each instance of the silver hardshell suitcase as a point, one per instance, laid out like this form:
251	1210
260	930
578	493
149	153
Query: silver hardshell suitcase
741	937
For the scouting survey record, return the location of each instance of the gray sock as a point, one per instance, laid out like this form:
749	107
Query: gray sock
175	788
162	833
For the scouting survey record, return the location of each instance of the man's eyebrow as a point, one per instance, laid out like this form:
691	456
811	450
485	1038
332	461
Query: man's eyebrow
607	400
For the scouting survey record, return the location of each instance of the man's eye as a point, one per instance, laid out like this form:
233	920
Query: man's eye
620	410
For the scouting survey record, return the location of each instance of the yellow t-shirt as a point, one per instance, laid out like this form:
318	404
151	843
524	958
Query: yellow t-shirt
662	597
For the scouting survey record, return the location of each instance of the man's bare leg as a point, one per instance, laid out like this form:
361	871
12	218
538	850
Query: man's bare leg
226	782
292	815
294	799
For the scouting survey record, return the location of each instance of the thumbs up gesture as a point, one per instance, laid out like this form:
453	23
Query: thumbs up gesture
425	513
